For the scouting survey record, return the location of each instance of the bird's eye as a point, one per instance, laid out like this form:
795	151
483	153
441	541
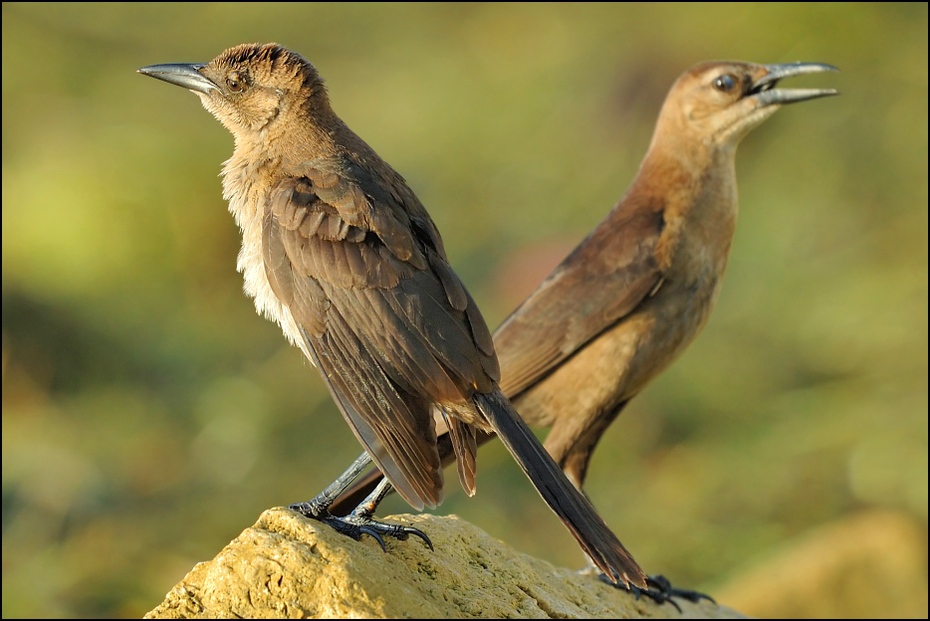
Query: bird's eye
725	83
235	82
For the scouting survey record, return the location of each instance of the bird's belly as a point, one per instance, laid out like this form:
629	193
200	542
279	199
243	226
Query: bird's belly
620	362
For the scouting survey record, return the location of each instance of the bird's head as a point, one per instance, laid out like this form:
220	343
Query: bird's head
720	102
248	87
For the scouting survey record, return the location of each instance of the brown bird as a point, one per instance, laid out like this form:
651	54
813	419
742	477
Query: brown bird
338	250
639	288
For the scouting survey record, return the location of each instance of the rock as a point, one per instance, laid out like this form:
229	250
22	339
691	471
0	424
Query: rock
288	566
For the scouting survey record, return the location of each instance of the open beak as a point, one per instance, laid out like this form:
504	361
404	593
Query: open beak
181	74
765	92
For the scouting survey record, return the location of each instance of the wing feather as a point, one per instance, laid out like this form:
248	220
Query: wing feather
582	297
385	319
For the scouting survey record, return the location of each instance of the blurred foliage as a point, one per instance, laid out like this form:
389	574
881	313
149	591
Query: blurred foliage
149	415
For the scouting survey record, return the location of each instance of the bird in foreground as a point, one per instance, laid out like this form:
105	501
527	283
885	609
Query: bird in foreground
338	250
630	298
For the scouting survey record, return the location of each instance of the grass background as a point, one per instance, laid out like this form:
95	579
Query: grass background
149	415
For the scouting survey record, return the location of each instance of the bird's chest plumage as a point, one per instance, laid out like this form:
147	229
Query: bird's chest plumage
701	245
247	198
698	248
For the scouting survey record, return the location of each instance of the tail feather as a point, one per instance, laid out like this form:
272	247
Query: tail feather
366	483
572	507
462	436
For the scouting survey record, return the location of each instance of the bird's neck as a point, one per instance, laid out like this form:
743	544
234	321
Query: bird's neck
696	184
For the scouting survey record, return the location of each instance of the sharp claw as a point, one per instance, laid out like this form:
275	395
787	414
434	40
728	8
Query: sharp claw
374	534
659	597
419	533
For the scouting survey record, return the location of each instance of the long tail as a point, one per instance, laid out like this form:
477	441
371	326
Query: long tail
572	507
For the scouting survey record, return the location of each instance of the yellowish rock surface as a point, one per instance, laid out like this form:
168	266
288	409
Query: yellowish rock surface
287	566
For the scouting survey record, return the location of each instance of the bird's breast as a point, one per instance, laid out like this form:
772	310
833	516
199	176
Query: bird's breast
247	190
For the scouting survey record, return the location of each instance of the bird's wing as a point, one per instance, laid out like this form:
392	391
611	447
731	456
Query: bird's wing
604	279
390	326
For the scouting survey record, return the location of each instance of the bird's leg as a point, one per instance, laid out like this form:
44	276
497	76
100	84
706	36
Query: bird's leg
360	521
318	507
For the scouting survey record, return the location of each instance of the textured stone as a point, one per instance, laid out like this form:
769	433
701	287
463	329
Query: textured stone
291	567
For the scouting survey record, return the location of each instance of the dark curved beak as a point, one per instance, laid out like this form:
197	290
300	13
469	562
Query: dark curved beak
181	74
764	88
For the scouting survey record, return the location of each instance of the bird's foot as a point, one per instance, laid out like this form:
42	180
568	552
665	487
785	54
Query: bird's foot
358	523
660	584
661	591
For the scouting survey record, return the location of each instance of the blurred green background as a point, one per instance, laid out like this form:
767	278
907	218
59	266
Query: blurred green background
149	415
